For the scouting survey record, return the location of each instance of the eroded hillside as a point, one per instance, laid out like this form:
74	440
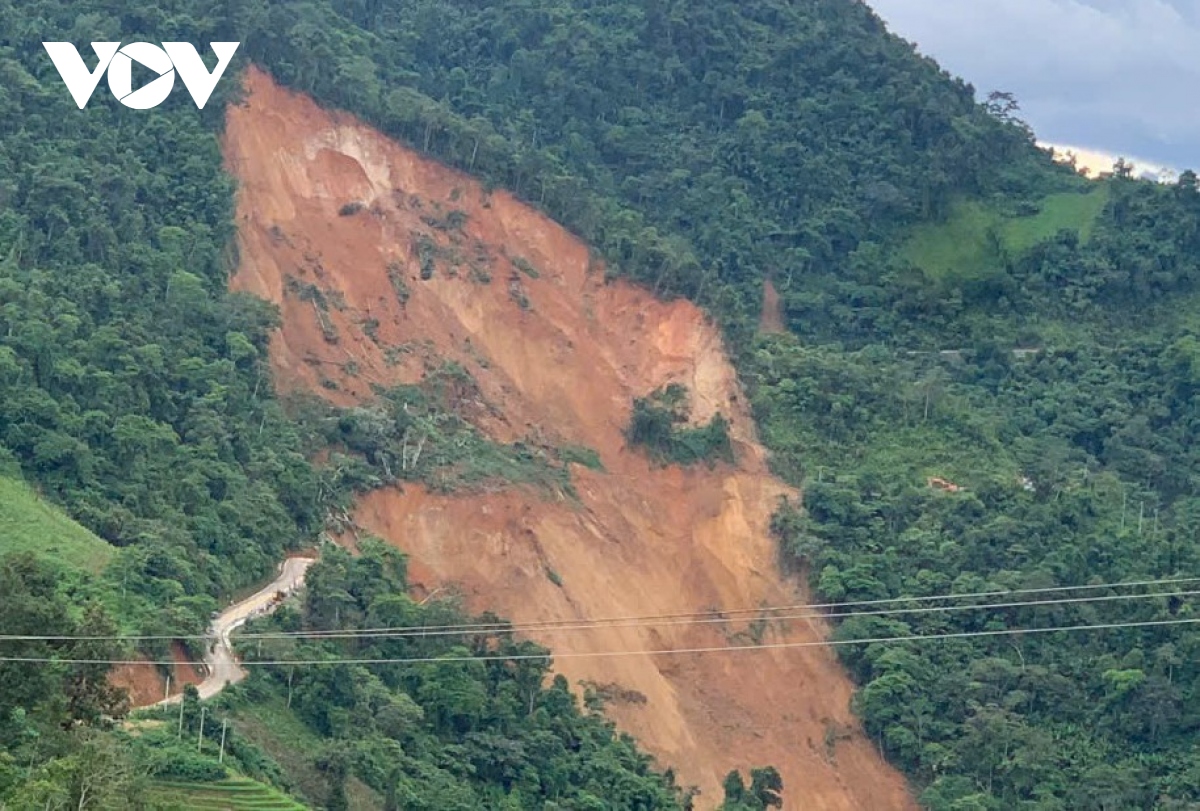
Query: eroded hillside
385	263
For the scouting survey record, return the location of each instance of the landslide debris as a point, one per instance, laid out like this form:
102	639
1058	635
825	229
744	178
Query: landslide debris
386	265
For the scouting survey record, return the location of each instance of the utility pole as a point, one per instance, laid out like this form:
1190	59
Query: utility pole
221	757
200	739
167	693
181	718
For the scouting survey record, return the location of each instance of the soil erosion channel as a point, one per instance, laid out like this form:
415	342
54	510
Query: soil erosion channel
328	204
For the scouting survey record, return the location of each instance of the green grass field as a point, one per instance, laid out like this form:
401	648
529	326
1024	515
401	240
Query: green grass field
960	248
1064	211
30	524
233	794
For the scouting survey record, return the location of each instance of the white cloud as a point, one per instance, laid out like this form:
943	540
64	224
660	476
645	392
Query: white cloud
1119	75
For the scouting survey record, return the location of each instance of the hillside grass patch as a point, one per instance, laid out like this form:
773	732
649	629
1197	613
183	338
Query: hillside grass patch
973	241
30	524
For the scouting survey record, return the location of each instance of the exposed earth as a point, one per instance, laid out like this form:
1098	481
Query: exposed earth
146	684
328	204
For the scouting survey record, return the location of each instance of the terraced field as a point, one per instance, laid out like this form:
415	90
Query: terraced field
233	794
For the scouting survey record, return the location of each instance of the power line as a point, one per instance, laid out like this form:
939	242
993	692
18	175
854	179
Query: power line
547	624
421	632
653	620
609	654
484	626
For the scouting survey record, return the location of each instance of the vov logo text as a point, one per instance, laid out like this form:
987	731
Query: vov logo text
171	58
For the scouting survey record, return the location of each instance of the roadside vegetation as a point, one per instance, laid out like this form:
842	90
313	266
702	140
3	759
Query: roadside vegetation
468	733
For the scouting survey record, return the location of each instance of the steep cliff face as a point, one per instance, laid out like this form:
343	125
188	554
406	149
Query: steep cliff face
385	263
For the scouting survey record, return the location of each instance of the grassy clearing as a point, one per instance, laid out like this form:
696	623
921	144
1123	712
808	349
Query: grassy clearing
233	794
1064	211
970	244
956	248
29	524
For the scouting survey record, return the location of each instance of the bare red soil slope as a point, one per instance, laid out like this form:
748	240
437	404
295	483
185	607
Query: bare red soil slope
146	684
328	205
771	320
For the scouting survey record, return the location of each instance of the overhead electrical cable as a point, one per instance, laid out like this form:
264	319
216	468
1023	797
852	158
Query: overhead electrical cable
662	620
546	624
647	652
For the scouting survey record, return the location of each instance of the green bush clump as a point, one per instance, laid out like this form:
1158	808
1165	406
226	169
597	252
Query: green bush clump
659	425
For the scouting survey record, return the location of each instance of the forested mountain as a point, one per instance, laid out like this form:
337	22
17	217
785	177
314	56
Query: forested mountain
699	148
916	238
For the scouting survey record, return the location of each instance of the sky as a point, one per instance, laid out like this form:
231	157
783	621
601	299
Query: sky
1120	77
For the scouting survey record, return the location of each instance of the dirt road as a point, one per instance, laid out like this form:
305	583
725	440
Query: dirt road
222	665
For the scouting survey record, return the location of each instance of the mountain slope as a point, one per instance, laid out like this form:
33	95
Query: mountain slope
699	149
29	524
327	205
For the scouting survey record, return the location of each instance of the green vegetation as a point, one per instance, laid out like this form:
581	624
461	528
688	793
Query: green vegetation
1066	211
580	455
1066	479
29	524
977	240
395	272
134	391
700	149
724	151
230	794
895	216
658	423
522	264
270	725
49	712
472	731
1077	464
763	792
423	433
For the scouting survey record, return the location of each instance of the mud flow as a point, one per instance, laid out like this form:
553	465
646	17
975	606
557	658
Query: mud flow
417	263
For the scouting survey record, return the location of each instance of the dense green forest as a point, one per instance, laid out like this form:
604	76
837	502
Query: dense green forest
1062	483
916	237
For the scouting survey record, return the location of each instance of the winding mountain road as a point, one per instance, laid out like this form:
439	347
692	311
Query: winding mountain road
222	665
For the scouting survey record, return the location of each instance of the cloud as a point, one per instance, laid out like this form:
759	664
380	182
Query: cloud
1116	75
